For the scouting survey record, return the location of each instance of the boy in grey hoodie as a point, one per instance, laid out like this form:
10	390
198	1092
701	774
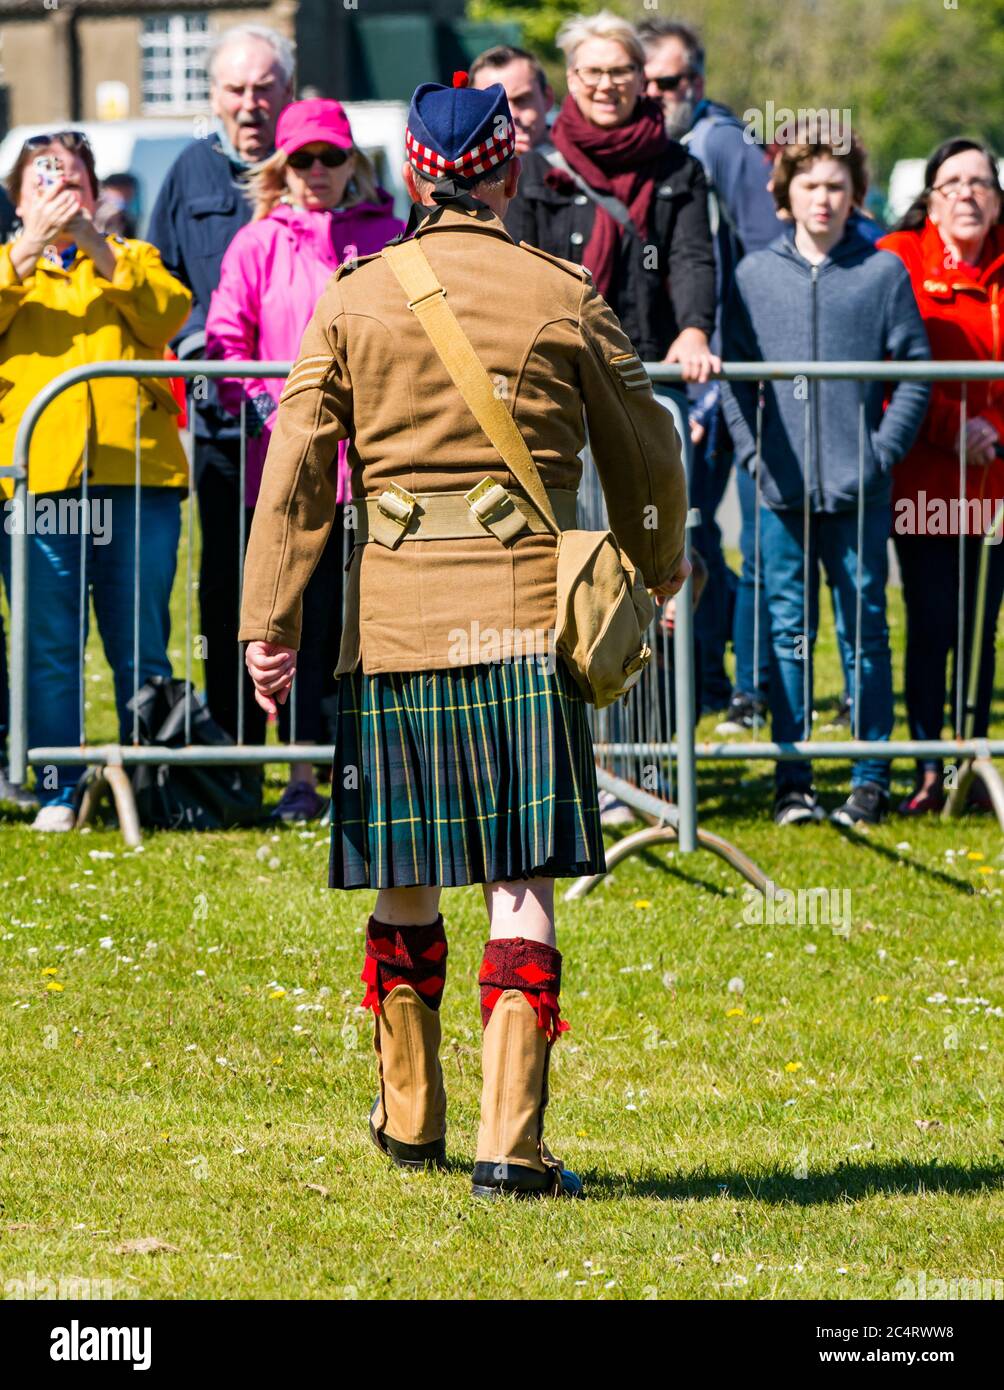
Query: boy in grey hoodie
821	291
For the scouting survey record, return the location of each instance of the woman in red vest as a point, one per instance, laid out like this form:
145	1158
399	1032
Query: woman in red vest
952	243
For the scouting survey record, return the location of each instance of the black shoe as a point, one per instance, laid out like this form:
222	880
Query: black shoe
431	1155
867	804
795	806
745	713
493	1179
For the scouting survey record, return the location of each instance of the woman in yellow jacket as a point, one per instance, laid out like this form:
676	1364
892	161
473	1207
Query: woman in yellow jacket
68	296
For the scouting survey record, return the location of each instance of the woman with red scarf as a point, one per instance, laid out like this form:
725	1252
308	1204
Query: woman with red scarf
612	192
952	243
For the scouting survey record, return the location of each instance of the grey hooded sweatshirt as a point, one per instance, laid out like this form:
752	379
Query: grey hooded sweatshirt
857	304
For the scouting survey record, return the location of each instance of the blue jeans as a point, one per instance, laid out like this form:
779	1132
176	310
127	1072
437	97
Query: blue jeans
713	619
707	477
54	678
750	681
833	541
4	697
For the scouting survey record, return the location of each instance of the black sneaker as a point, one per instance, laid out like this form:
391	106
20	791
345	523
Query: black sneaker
867	804
793	806
745	712
842	718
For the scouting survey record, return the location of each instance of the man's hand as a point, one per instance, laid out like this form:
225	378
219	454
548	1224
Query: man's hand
980	440
272	669
700	570
692	351
683	572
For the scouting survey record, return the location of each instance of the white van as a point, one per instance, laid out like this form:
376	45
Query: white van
906	182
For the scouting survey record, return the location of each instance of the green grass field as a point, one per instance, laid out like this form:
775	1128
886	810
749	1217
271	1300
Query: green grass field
758	1111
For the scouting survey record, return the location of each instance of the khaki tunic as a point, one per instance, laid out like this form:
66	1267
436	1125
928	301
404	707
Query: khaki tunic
367	371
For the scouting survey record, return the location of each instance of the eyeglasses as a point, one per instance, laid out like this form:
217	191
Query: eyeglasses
958	188
592	77
670	84
332	158
71	140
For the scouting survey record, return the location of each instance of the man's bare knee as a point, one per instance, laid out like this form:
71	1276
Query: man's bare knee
407	907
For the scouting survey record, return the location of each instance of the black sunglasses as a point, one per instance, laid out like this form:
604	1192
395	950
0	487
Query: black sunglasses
331	158
71	140
670	84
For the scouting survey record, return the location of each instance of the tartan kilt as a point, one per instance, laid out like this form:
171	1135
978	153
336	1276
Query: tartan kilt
472	774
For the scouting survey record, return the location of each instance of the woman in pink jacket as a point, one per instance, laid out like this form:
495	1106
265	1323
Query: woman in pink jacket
316	205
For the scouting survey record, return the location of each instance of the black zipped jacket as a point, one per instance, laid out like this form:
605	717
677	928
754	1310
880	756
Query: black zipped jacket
661	285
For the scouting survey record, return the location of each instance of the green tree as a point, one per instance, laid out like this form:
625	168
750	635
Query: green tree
911	72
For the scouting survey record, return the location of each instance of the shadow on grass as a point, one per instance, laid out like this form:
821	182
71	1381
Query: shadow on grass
846	1181
897	857
692	880
653	857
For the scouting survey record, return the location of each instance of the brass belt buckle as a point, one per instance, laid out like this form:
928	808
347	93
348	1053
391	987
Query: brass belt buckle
396	506
495	509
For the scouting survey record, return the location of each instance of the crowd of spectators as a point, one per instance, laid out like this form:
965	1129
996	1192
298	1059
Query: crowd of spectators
708	246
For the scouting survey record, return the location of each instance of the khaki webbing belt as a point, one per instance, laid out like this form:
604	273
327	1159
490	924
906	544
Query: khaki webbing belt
489	509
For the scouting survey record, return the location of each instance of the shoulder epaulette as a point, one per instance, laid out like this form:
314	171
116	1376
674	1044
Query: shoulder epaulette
578	270
347	267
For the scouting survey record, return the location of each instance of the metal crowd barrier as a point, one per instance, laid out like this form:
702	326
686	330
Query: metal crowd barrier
973	755
640	758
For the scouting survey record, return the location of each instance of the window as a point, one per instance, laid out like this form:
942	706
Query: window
173	77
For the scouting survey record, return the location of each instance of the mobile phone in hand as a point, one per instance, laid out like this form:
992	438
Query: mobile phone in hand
49	170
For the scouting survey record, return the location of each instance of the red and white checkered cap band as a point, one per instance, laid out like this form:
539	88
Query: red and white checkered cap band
477	161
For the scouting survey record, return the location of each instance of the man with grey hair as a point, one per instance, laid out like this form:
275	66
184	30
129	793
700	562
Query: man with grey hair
200	209
251	75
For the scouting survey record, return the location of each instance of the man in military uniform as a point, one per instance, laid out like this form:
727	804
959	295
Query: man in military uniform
450	767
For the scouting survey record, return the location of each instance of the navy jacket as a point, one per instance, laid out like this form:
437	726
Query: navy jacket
200	208
737	174
857	304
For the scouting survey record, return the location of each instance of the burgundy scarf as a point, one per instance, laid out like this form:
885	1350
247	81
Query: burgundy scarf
622	162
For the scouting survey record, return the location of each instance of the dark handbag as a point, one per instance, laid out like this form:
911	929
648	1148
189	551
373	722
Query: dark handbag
183	796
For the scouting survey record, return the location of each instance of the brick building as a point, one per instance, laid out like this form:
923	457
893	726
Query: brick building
80	60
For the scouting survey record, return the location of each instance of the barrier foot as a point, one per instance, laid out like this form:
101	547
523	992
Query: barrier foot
658	834
112	778
125	805
94	789
980	769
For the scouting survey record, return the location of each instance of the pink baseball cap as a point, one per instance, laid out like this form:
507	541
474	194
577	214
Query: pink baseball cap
303	122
